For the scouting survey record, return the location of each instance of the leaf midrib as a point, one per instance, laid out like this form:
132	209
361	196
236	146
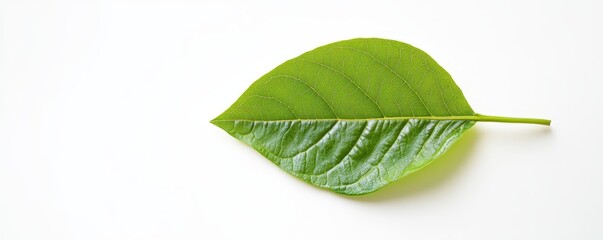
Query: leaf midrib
476	117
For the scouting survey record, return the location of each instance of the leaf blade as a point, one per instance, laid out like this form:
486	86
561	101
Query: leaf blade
341	103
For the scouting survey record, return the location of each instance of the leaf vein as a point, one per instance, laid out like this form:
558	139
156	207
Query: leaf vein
349	79
394	72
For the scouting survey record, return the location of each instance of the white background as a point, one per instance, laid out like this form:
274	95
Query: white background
105	109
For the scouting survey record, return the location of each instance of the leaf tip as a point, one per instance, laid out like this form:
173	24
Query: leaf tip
214	121
223	124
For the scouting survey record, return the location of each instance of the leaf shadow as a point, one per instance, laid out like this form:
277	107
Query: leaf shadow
432	176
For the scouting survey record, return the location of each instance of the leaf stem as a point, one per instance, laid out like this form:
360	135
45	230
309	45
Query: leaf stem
486	118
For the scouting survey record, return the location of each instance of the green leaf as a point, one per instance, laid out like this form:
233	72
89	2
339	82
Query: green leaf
355	115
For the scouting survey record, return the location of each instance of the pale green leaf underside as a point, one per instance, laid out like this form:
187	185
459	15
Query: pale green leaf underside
352	116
